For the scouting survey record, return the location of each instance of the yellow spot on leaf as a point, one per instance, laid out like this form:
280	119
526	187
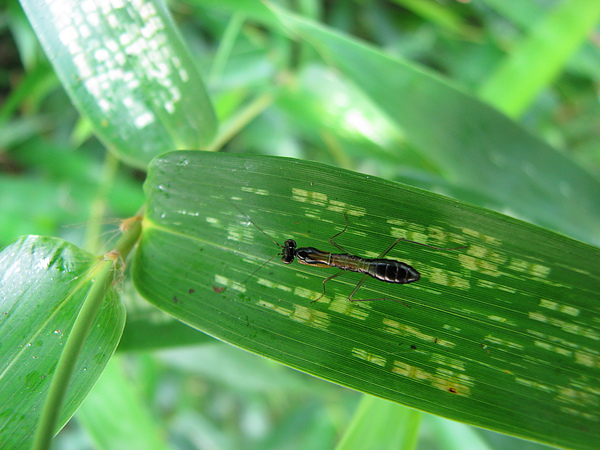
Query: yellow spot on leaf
370	357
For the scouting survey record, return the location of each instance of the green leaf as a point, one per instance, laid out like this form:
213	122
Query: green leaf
126	68
377	421
154	330
447	18
475	147
457	436
42	288
538	60
501	334
114	398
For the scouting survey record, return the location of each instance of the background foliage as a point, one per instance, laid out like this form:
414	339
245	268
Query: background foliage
279	97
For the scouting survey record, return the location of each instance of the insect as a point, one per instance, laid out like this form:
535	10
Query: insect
386	270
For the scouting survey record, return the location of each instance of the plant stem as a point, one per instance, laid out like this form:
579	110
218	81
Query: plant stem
102	277
241	119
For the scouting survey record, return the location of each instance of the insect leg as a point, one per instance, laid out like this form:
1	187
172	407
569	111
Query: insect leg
331	239
360	283
364	278
350	297
389	249
325	281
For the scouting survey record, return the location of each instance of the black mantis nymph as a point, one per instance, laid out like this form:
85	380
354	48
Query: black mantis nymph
380	268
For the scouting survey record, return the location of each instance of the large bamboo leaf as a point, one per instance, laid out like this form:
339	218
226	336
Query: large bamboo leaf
501	334
42	288
474	146
127	70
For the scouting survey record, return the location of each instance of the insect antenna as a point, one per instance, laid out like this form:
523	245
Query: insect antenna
260	267
257	227
263	232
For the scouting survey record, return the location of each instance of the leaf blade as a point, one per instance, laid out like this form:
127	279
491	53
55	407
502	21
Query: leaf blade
487	326
540	57
127	70
41	296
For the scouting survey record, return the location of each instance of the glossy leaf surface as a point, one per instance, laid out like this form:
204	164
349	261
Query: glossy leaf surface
42	287
127	70
500	334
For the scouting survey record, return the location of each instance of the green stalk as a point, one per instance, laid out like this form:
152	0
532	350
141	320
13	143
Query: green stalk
225	48
103	276
240	120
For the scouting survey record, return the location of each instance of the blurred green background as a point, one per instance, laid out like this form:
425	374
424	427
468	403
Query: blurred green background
273	97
